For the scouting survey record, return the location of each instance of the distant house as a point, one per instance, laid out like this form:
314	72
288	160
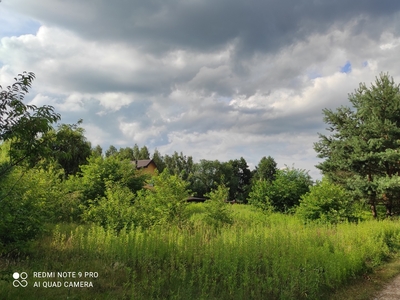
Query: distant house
193	199
147	166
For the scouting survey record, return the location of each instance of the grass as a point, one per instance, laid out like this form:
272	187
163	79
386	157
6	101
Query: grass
366	286
258	257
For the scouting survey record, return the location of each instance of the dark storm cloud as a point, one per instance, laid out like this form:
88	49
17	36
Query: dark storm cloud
255	25
215	79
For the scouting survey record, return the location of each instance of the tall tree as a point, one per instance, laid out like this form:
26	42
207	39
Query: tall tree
111	151
207	175
362	151
97	151
284	192
22	124
69	147
144	153
158	160
239	181
136	152
266	169
179	164
126	153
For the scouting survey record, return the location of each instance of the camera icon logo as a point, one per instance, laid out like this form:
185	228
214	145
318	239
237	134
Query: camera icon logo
20	279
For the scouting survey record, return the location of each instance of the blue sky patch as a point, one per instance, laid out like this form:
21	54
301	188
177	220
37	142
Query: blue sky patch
14	24
346	68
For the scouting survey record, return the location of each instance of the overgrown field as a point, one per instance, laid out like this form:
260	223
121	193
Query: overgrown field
258	257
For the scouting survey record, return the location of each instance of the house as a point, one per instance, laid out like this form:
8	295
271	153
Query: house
193	199
147	166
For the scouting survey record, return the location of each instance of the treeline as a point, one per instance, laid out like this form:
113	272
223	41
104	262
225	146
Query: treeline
204	176
53	174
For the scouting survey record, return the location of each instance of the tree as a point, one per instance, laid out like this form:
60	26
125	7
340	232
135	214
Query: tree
165	204
326	202
218	212
69	147
284	192
92	180
362	151
266	169
258	195
97	151
179	164
24	125
158	160
126	153
237	176
144	153
136	152
111	151
207	175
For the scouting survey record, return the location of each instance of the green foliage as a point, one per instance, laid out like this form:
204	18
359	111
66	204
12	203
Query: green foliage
218	212
24	125
129	153
327	203
21	221
206	176
234	174
29	199
165	203
258	196
97	151
158	160
279	259
284	192
111	151
266	169
69	147
91	181
179	164
237	178
364	143
113	211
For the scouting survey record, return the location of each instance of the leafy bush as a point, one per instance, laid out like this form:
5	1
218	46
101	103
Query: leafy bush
326	202
218	212
28	199
113	211
283	193
164	203
258	195
91	182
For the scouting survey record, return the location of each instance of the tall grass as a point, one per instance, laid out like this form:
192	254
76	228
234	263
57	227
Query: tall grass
259	257
281	260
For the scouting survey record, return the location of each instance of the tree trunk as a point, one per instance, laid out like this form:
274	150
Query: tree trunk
372	198
388	210
373	209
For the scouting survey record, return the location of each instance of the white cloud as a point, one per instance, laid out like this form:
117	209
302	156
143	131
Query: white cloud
138	133
249	89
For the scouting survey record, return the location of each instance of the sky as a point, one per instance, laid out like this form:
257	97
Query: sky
219	79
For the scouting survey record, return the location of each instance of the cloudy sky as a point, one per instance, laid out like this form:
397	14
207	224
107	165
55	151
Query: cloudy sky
214	79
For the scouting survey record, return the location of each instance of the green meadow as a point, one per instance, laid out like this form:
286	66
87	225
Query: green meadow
259	256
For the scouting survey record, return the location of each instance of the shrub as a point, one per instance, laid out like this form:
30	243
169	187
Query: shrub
28	199
258	195
113	211
163	204
218	212
91	181
326	202
283	193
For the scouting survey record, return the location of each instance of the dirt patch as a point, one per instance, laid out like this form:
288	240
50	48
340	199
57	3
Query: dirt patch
391	291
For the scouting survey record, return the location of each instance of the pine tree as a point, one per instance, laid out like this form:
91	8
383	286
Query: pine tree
362	152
